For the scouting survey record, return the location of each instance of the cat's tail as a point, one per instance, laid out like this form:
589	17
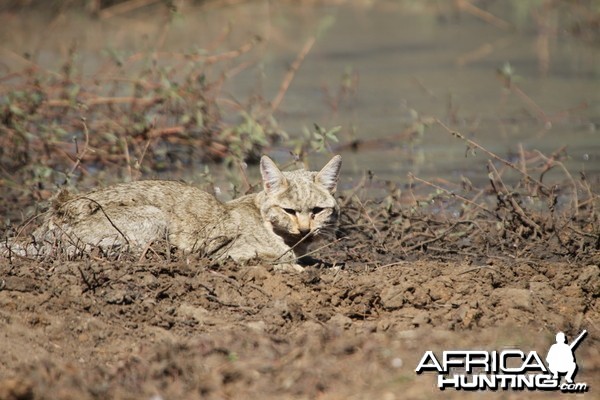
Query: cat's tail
14	248
43	241
34	245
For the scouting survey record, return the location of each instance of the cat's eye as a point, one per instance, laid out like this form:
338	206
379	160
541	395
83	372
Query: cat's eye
317	210
290	211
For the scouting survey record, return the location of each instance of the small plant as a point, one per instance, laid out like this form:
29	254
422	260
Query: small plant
319	140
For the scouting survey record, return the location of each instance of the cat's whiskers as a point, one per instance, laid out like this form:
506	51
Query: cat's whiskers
323	247
327	230
291	249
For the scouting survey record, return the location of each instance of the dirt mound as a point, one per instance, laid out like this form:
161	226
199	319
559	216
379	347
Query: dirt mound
118	330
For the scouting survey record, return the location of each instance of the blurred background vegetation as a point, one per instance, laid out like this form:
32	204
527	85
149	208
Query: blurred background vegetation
93	92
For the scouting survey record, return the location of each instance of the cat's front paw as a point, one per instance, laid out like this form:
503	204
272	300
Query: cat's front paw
288	267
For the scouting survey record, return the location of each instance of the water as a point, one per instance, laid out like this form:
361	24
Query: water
409	62
406	60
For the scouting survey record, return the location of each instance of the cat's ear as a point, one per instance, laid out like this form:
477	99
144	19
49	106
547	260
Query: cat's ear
273	179
328	176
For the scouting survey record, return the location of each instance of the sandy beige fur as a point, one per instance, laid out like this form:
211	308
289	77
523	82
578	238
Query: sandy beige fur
277	224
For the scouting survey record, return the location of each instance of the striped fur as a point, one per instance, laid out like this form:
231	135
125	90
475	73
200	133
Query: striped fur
277	224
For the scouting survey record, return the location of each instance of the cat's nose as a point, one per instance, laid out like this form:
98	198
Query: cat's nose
303	223
305	231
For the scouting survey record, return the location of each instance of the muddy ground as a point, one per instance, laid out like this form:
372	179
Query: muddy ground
186	329
402	275
459	266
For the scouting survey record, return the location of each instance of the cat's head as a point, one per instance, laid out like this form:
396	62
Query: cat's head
300	204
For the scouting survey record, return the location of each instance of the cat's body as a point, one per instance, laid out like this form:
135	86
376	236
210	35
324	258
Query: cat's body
276	224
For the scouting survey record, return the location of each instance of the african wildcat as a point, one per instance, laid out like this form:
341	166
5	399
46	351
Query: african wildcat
276	224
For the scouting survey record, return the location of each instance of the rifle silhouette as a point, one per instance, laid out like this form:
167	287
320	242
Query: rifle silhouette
575	342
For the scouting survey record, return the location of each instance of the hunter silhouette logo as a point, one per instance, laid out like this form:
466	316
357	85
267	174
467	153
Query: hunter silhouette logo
508	369
561	358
